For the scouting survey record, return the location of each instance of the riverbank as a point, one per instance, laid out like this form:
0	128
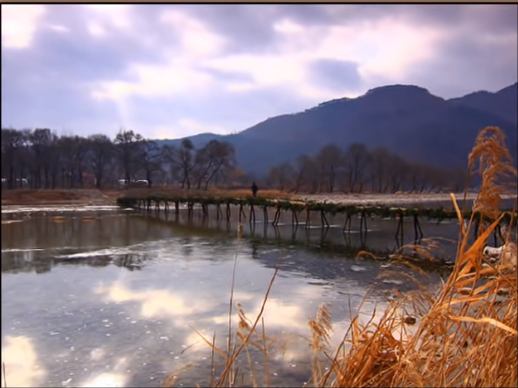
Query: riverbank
78	197
108	197
390	199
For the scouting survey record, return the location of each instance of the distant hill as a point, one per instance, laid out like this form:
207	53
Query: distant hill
405	118
503	103
197	140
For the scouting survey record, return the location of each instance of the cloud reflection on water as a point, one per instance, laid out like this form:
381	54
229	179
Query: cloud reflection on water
117	377
155	303
101	315
21	363
285	313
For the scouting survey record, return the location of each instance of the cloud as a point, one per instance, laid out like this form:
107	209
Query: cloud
336	74
19	24
178	70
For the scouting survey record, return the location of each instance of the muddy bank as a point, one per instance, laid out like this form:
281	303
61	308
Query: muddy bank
79	197
94	197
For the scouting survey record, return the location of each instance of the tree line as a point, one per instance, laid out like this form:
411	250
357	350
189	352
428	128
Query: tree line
358	169
41	159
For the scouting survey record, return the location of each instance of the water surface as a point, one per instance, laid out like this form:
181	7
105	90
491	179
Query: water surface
105	297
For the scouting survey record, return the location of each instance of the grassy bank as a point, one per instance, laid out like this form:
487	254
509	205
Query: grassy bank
108	197
462	335
59	197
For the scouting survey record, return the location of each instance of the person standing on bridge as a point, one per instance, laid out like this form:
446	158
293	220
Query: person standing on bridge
255	189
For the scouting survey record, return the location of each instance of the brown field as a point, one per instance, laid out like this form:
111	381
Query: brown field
108	197
59	197
213	191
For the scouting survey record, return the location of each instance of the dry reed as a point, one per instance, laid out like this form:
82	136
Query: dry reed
211	192
463	335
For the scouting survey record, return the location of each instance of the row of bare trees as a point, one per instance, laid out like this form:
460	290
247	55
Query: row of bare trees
40	158
358	169
211	164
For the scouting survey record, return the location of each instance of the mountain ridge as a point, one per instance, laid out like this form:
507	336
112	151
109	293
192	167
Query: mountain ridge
407	119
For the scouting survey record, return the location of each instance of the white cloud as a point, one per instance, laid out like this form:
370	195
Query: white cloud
197	39
385	49
169	52
117	15
286	26
390	50
96	29
170	79
19	23
177	75
58	28
378	53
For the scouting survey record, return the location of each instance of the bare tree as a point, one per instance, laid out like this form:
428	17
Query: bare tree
182	160
211	160
100	155
128	145
281	176
12	142
66	160
41	140
357	159
416	177
150	160
330	160
456	178
80	160
70	161
306	173
397	168
49	161
378	173
236	176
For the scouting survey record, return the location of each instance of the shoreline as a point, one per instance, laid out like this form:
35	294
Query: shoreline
59	197
391	199
95	197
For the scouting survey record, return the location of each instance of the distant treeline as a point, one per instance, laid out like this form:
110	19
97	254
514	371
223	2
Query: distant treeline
358	169
40	158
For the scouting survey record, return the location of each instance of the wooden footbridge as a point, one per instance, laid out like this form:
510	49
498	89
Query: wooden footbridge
223	207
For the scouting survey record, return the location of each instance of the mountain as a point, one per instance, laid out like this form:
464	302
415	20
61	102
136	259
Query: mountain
197	140
405	118
503	103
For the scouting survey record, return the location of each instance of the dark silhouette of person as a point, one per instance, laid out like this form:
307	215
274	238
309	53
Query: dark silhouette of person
254	189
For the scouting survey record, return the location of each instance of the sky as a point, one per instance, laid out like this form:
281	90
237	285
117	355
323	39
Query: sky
170	71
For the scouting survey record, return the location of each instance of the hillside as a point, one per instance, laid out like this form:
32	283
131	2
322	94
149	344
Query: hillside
503	103
407	119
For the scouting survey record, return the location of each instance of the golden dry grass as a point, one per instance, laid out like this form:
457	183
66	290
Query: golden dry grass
86	196
59	196
464	335
269	193
214	192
